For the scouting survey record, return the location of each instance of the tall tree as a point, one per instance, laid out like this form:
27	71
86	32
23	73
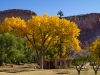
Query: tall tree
60	45
41	32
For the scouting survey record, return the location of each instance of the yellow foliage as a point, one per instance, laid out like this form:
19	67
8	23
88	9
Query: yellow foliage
42	30
13	24
95	49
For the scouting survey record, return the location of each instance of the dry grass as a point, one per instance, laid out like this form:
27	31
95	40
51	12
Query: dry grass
32	71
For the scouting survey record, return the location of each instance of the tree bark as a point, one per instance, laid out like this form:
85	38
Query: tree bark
41	59
78	72
60	48
79	69
95	68
95	72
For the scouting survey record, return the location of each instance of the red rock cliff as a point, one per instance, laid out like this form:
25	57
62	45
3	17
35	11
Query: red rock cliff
89	25
24	14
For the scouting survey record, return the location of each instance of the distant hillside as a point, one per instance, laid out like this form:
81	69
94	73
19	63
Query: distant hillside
89	25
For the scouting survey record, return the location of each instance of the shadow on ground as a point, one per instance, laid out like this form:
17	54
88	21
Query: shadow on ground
16	70
62	73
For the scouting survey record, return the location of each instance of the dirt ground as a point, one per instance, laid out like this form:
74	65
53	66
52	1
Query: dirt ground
32	70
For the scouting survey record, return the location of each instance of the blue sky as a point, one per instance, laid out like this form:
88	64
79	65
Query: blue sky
69	7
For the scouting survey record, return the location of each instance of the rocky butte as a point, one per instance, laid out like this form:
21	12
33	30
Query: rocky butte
24	14
88	23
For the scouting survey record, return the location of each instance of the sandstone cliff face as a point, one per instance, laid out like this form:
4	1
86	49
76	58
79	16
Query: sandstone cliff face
89	25
24	14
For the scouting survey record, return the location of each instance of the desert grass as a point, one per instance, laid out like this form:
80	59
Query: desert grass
32	71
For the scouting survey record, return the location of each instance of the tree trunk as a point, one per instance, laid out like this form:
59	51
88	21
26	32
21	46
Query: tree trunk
41	59
78	69
95	72
95	68
18	63
78	72
60	48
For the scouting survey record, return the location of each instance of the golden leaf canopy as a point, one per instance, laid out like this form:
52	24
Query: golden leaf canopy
43	29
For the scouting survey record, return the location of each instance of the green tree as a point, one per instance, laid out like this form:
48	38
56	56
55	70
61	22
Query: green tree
11	48
6	45
79	62
29	57
95	65
51	52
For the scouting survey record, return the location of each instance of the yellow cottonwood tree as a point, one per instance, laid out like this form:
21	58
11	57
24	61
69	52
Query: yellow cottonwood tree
95	50
42	32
